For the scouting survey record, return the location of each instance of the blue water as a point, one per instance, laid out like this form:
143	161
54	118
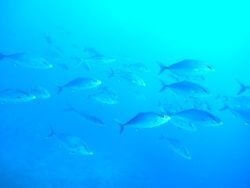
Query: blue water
132	33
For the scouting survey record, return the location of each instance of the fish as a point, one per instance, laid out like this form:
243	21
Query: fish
243	88
73	144
41	93
243	113
80	83
33	62
15	96
186	65
13	56
179	148
105	96
145	120
198	116
88	117
185	87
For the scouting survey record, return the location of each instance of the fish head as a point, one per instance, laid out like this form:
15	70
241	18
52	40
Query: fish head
165	118
97	83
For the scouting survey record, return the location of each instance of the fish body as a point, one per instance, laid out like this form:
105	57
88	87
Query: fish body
185	87
80	83
199	116
73	144
15	96
146	120
186	65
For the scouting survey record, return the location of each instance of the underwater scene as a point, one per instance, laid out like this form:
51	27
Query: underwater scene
124	94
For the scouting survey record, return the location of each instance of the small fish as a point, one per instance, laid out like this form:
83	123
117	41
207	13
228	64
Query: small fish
13	56
179	148
15	96
183	124
243	113
105	96
80	83
199	117
41	93
185	87
145	120
88	117
34	62
243	88
74	144
186	65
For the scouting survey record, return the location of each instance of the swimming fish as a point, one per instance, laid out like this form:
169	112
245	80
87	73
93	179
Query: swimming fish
80	83
73	144
185	87
145	120
13	56
243	88
186	65
34	62
243	113
41	93
105	96
179	148
15	96
88	117
197	116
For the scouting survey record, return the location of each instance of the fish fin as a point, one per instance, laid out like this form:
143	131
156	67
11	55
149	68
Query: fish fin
52	133
242	89
122	126
59	89
162	68
163	86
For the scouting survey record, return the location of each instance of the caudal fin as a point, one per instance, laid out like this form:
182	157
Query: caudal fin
162	68
243	88
163	86
52	132
122	126
59	90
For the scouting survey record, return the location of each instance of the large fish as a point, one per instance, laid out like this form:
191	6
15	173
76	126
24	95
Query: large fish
145	120
80	83
15	96
185	87
88	117
197	116
186	65
73	144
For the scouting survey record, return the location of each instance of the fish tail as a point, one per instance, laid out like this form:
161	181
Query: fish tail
162	67
243	88
59	89
121	128
52	132
163	86
2	56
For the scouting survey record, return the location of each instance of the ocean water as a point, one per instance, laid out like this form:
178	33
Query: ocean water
112	51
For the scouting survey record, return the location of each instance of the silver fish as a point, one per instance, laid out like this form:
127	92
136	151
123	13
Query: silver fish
186	65
15	96
80	83
185	87
145	120
197	116
73	144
